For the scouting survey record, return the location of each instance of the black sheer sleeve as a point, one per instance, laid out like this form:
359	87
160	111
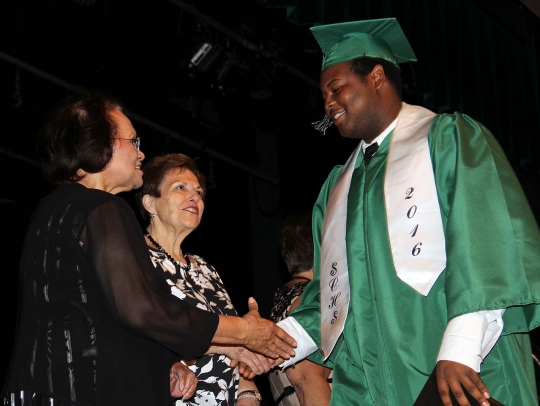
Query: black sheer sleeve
137	296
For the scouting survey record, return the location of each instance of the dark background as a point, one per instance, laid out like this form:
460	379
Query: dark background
245	113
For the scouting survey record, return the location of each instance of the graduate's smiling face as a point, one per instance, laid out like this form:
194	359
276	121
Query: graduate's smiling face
351	101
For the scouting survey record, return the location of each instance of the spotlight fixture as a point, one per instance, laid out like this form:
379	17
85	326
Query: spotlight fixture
205	57
213	62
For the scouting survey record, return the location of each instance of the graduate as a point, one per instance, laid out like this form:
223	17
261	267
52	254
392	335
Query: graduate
427	253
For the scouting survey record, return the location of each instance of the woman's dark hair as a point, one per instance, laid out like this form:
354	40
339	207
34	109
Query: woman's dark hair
296	242
154	172
78	133
364	65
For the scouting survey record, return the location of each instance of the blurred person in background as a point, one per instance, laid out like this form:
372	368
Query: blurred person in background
305	383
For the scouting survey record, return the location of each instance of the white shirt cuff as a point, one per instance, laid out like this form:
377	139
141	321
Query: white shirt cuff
469	338
305	345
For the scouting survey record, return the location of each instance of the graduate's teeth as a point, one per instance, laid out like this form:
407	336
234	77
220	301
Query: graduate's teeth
338	115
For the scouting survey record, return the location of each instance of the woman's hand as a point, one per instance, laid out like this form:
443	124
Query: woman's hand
249	363
183	382
243	369
265	337
257	334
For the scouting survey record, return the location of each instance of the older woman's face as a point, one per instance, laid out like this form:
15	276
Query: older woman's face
124	170
180	205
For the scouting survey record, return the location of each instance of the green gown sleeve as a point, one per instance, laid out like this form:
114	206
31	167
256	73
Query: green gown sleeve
492	237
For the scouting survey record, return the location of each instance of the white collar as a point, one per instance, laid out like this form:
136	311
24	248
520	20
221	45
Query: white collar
380	138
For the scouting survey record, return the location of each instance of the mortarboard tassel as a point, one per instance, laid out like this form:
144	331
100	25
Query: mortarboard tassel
323	125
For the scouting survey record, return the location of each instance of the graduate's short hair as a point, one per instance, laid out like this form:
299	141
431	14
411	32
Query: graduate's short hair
364	65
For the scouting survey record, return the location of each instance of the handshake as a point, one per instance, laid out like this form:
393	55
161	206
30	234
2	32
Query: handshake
264	345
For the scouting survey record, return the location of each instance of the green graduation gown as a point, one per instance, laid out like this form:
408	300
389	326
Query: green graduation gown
392	334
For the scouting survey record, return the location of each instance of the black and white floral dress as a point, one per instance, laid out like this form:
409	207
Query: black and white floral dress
200	285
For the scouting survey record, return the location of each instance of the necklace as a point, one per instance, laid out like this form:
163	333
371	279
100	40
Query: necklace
169	256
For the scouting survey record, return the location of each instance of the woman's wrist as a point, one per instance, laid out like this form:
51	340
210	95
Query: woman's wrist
250	394
214	349
231	330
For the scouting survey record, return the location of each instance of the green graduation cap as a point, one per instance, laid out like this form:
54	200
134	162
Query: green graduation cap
382	38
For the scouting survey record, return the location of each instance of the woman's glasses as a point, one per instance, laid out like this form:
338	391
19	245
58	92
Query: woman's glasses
135	141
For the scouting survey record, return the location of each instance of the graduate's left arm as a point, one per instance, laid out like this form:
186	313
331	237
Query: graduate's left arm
466	342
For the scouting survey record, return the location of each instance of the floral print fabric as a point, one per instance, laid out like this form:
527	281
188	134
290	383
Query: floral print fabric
200	285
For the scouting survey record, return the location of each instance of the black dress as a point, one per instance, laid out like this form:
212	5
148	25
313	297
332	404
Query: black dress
97	324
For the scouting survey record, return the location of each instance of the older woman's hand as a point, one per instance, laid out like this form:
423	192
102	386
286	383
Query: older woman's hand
243	370
265	337
183	382
249	363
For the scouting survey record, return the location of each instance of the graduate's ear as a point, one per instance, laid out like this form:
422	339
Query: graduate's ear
378	76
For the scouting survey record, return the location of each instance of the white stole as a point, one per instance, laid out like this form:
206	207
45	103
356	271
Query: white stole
335	291
414	220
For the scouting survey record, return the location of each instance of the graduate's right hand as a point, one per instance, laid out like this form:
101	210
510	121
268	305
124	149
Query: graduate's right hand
455	377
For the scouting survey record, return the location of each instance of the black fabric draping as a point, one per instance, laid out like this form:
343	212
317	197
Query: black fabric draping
99	325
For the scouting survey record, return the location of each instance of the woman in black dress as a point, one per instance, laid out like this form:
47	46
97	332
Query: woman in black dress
97	324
